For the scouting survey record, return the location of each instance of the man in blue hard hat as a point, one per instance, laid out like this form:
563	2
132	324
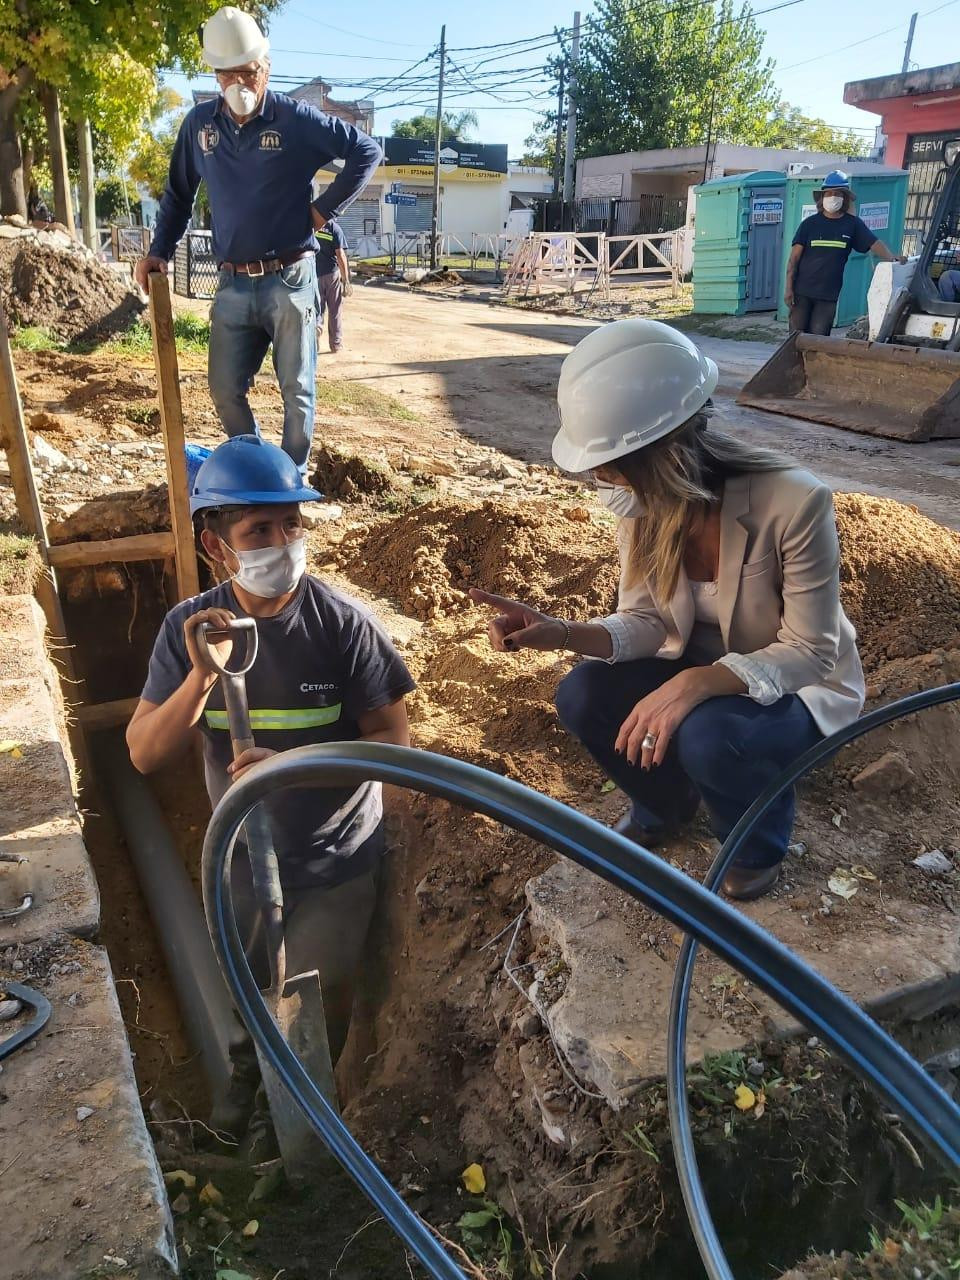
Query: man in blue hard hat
258	152
325	671
821	247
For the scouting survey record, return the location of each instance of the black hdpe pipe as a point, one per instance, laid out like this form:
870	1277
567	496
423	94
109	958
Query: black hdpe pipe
691	1184
856	1038
177	916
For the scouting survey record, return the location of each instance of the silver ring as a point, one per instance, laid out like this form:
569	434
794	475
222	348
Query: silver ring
649	742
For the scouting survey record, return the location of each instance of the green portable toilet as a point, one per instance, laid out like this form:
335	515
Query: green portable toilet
880	199
738	235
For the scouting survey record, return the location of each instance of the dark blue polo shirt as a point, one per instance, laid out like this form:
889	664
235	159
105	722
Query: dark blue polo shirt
259	175
329	240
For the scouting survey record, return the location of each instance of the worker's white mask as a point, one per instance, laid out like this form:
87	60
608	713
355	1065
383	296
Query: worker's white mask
241	100
833	204
271	571
620	499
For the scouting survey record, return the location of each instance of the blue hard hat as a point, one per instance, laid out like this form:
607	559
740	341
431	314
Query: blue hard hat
836	179
246	471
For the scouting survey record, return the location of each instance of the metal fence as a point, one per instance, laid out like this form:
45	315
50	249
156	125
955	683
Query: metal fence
646	215
195	270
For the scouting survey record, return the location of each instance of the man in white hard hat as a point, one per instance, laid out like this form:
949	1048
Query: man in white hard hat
258	152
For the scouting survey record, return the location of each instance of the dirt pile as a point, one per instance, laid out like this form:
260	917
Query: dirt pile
899	579
349	476
427	558
75	297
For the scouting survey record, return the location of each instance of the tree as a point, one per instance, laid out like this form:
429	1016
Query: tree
423	128
150	162
789	127
113	197
101	56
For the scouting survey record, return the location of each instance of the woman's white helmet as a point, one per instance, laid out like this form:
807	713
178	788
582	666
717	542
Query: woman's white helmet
624	386
232	38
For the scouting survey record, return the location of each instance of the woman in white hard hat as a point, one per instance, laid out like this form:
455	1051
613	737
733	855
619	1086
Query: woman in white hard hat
729	653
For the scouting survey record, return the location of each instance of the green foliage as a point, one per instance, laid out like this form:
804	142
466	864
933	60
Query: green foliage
150	163
423	128
191	333
729	1067
638	1138
925	1219
487	1238
789	127
111	205
31	338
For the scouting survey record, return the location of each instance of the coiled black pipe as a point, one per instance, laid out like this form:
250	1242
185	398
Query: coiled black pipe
734	937
691	1184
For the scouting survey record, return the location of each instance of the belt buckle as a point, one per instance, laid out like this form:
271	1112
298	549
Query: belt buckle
256	274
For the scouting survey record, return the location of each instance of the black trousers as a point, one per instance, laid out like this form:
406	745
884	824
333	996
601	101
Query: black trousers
812	315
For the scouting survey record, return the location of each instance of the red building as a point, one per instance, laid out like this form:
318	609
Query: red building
920	122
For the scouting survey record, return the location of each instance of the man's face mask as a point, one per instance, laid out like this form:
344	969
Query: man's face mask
270	571
241	99
833	204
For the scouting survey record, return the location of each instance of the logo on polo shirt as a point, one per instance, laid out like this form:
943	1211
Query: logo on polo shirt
270	140
208	137
316	688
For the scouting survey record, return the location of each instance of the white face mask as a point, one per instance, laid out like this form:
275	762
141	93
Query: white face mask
241	100
271	571
833	204
620	499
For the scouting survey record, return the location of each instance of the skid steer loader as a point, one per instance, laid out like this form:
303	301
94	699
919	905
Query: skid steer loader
904	382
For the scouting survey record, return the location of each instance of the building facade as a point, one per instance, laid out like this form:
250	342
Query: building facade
920	125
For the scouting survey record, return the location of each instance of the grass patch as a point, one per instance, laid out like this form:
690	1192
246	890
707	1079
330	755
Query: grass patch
726	327
337	396
33	338
20	564
192	336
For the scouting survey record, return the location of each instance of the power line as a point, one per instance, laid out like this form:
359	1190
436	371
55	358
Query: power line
866	40
402	44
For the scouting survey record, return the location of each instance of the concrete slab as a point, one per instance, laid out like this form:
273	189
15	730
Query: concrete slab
611	1018
38	811
81	1188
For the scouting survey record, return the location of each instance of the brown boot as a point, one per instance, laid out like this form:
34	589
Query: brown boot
747	883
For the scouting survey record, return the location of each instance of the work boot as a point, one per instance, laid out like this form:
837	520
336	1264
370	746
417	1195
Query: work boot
260	1144
232	1113
669	829
747	883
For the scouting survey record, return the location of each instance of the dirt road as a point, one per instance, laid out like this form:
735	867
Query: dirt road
489	373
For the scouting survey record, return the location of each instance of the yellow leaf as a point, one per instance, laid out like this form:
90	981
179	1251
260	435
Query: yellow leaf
210	1195
474	1179
180	1175
16	754
744	1097
251	1229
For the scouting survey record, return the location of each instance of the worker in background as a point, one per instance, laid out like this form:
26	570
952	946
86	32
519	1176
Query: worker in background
729	654
257	151
325	672
948	286
333	282
821	247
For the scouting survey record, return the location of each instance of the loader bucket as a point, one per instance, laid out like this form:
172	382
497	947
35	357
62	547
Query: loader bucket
903	393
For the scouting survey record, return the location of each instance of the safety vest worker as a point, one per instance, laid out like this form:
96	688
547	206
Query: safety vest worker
821	247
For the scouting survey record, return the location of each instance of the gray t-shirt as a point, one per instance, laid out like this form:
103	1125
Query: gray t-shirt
323	661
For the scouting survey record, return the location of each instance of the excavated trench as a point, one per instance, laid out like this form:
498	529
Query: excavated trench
447	1065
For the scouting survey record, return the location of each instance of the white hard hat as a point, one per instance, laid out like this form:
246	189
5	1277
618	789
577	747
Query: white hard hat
624	386
231	38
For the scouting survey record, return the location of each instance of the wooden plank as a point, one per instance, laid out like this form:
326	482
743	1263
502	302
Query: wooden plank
105	715
144	546
171	416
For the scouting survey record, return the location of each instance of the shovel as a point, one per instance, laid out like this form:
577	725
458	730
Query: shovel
295	1003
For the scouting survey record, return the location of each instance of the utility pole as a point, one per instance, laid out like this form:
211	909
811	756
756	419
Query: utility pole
570	157
558	150
437	136
909	49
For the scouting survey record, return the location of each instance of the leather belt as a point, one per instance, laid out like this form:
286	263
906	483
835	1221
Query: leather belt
265	266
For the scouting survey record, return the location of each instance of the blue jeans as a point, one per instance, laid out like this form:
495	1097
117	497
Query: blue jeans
728	748
947	285
248	313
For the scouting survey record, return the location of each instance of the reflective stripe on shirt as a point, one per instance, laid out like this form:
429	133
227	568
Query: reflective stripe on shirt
828	244
270	718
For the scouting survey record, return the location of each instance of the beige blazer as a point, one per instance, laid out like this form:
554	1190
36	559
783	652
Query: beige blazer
778	596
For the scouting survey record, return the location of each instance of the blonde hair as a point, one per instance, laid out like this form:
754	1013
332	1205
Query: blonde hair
676	479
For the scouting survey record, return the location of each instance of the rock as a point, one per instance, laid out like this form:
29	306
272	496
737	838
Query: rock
888	774
326	512
84	1113
579	515
16	220
429	466
9	1009
11	232
935	863
46	455
181	1204
528	1024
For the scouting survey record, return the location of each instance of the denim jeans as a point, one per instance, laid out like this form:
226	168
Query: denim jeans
248	313
728	748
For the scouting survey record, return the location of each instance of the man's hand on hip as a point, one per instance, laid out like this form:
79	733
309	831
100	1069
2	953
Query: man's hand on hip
144	267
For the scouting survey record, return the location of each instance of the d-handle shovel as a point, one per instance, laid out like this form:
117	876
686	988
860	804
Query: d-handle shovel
296	1003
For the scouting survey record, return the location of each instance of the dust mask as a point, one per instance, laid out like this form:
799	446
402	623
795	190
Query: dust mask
241	100
271	571
619	499
833	204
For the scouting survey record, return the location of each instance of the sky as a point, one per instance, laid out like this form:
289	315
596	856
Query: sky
817	46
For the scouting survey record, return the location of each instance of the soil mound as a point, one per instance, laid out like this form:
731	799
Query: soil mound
348	476
899	579
74	296
427	559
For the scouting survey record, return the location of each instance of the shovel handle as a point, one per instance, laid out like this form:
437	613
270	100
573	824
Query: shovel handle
247	627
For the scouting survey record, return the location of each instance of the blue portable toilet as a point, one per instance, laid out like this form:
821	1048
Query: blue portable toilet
738	239
880	199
